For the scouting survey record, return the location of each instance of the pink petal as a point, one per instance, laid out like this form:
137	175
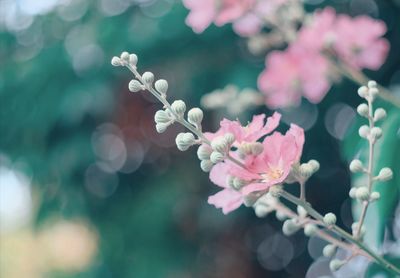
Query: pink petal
226	199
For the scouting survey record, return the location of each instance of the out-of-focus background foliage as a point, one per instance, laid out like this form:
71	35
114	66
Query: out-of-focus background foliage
89	189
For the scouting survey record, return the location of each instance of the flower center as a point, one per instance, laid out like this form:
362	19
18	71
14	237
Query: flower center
272	174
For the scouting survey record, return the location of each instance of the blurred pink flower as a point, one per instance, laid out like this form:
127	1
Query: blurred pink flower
245	15
357	41
269	168
292	73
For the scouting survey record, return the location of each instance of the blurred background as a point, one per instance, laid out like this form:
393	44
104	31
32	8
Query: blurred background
89	189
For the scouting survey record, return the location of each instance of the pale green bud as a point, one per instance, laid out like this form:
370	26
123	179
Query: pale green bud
179	107
330	219
238	183
363	110
352	192
373	92
356	166
125	57
306	170
362	193
219	144
379	114
329	250
363	131
363	91
289	227
195	116
116	61
161	85
280	215
162	116
204	152
161	127
135	86
148	78
375	196
310	229
275	190
376	133
206	165
314	165
385	174
216	157
262	210
184	141
133	59
372	84
256	148
250	199
301	211
336	264
229	138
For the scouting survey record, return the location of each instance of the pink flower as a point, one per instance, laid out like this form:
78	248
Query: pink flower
228	199
292	73
360	43
246	15
271	167
357	41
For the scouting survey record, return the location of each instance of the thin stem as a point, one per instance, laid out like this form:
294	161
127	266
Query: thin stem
302	190
342	233
371	142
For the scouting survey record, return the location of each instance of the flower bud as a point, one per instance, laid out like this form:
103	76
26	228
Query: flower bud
125	57
363	131
206	165
262	210
204	152
280	215
379	114
238	183
275	190
330	219
161	127
306	170
336	264
116	61
162	116
195	116
161	85
376	133
216	157
372	84
385	174
148	78
135	86
256	148
219	144
133	59
310	229
289	227
301	211
244	149
250	199
184	141
229	138
362	193
329	250
314	165
352	192
356	166
363	110
179	107
373	92
363	91
375	196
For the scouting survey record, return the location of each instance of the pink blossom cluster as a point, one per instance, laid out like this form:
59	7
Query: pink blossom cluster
304	69
259	171
245	15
